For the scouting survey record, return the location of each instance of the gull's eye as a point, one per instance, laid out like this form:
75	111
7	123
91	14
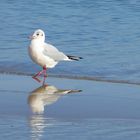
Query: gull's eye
37	34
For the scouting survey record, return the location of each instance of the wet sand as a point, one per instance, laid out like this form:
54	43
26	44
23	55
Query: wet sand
68	109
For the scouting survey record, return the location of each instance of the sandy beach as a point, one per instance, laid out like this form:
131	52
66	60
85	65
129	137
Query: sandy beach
95	110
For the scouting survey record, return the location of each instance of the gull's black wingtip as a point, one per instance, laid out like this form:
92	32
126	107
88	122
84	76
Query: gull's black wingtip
81	58
77	58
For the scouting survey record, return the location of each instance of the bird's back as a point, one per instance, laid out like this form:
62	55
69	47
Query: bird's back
54	53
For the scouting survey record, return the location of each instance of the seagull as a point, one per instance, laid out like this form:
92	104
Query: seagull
45	54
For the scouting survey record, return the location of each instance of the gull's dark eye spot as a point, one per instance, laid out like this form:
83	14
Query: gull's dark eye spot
41	34
37	34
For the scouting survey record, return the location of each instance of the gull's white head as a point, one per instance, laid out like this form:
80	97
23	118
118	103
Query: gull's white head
38	35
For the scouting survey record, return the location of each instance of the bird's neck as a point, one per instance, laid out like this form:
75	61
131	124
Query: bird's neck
37	42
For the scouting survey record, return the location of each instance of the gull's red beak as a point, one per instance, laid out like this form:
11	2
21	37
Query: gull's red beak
32	37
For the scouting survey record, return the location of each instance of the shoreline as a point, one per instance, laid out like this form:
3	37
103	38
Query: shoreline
76	77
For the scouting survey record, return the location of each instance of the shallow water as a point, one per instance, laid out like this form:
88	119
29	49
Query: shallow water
105	33
101	110
41	128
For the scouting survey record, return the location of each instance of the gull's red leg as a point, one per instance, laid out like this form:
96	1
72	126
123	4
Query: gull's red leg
37	79
38	74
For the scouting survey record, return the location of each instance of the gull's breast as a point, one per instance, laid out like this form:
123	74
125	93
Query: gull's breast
37	56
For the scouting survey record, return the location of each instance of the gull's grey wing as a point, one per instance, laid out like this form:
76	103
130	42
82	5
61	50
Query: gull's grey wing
54	53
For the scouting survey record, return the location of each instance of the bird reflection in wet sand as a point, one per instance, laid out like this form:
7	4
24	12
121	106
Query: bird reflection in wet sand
37	124
45	95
